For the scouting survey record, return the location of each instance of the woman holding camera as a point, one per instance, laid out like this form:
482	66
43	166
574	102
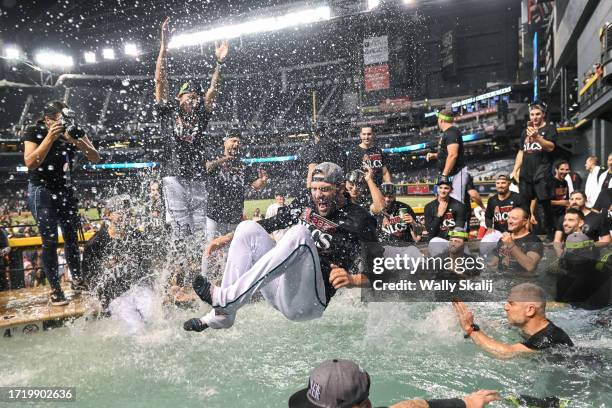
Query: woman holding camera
50	149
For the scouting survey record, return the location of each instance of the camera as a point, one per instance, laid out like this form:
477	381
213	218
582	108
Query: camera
69	122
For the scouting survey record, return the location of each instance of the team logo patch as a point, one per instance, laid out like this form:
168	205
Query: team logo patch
372	160
448	221
320	228
394	226
314	391
317	221
501	213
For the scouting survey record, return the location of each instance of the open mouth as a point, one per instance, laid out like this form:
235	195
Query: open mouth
323	206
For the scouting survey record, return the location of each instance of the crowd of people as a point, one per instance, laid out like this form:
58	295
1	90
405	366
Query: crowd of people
298	254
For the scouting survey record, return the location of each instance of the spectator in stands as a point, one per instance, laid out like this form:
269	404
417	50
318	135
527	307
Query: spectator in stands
500	205
184	120
342	383
526	309
443	215
592	187
450	155
49	154
398	222
560	201
364	191
593	225
279	202
324	149
519	250
533	163
367	154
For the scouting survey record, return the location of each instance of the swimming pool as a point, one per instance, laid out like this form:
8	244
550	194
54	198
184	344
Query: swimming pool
410	350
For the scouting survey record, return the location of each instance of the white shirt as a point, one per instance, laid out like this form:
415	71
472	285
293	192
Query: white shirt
591	187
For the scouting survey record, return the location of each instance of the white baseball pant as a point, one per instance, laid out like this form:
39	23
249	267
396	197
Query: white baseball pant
288	275
134	309
459	181
186	202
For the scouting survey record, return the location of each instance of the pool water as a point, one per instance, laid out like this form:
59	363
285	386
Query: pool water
411	350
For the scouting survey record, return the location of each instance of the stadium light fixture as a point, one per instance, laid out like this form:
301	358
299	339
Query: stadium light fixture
108	53
372	4
54	59
261	25
131	49
90	57
12	52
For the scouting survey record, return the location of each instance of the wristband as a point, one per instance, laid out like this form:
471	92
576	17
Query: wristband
220	64
446	403
474	327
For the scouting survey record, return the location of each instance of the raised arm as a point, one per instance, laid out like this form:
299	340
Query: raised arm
221	50
497	348
262	180
161	77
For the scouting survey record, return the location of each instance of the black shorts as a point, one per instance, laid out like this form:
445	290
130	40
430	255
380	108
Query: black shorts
539	189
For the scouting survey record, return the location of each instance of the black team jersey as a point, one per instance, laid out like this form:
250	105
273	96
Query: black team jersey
550	336
339	236
391	227
452	218
497	212
537	163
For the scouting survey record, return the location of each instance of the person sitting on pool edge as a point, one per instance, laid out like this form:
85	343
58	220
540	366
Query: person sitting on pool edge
526	309
343	384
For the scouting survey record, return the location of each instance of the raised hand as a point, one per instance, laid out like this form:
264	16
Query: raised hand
166	32
221	50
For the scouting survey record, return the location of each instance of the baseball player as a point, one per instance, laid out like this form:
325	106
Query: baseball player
299	274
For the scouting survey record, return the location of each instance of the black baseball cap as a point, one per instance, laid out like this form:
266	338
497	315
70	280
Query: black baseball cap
387	189
442	181
333	384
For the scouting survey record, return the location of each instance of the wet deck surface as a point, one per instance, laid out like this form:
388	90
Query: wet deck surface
24	306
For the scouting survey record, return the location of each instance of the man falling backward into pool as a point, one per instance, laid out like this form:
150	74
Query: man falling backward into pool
299	274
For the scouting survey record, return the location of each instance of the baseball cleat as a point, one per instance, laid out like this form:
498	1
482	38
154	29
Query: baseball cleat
195	325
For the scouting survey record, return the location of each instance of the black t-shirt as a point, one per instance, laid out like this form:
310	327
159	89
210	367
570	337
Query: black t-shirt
560	192
55	172
529	243
451	136
358	158
188	148
339	237
111	266
604	200
391	228
497	212
549	336
594	226
454	217
537	163
226	187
